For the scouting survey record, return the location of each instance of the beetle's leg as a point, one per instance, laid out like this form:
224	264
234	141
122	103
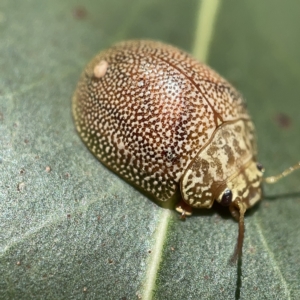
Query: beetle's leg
184	209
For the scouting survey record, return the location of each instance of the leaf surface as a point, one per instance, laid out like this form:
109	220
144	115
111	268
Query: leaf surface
71	229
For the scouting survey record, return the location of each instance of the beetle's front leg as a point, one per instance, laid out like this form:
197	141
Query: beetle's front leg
184	209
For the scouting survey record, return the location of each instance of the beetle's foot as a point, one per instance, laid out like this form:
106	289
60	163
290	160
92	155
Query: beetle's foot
183	216
184	209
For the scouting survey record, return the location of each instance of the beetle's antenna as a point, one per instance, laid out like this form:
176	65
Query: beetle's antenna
239	246
273	179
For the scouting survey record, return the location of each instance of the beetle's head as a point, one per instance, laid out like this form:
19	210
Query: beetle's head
242	191
225	171
243	187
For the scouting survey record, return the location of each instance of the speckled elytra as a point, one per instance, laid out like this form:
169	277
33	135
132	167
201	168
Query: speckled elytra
169	124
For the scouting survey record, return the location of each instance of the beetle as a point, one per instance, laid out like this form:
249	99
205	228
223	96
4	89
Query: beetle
170	125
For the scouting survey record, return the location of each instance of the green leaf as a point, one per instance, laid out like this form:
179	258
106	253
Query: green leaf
71	229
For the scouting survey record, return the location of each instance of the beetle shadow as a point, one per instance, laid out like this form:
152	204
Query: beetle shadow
223	211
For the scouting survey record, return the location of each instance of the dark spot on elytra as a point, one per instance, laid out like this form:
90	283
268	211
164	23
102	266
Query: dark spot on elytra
170	156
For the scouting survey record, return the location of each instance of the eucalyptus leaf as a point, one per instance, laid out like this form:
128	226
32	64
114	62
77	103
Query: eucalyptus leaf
71	229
